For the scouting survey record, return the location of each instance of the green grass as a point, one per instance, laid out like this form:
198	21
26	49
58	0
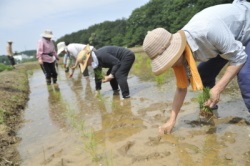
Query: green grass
5	67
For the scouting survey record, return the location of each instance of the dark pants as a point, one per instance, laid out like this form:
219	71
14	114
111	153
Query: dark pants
210	69
120	77
12	60
244	79
86	72
50	72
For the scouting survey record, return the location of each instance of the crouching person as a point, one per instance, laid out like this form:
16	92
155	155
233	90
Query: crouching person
118	60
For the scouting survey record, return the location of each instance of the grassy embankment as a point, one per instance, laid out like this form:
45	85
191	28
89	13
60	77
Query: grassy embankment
14	93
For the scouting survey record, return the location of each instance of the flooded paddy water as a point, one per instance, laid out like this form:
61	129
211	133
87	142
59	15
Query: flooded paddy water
70	125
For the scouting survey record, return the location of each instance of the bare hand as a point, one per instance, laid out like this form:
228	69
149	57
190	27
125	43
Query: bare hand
108	78
40	61
71	75
214	98
73	67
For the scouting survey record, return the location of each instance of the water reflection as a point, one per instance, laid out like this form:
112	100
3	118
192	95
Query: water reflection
57	107
116	122
120	123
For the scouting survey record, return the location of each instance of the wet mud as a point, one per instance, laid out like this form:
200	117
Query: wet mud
71	125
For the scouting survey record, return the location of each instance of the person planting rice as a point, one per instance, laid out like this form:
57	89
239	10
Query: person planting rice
215	36
71	51
118	60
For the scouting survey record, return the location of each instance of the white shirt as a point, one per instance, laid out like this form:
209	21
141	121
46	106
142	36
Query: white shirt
75	48
220	30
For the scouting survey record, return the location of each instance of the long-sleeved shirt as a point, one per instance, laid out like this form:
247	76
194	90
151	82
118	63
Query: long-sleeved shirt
46	47
111	57
220	30
9	50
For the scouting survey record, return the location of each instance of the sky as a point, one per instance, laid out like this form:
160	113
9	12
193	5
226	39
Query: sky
23	21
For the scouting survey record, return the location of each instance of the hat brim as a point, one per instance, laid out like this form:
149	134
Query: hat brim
60	51
84	65
167	59
84	52
47	36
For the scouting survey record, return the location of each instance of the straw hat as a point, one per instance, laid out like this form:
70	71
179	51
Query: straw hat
47	34
61	46
163	48
83	57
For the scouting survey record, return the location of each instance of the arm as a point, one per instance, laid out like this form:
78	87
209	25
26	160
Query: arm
109	76
234	52
39	52
115	63
215	92
179	97
73	69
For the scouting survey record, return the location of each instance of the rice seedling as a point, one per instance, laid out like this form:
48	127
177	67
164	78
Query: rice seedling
90	143
202	97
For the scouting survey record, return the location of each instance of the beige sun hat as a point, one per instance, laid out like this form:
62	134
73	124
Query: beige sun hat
163	48
83	57
61	46
47	34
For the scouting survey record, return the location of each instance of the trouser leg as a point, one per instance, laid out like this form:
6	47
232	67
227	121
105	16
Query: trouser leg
210	69
244	79
53	72
122	74
86	72
41	65
113	82
50	72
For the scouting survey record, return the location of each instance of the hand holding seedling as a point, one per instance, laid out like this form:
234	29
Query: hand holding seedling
108	78
203	98
213	99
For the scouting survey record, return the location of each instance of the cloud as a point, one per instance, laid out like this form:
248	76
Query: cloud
19	12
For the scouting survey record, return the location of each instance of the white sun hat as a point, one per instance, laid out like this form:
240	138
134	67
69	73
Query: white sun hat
61	46
47	34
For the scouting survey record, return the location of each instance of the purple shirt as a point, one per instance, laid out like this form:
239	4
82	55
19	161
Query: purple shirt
46	47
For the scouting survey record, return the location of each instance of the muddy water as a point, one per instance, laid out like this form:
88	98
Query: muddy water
71	125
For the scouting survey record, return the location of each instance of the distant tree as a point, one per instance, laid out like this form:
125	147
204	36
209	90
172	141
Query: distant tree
169	14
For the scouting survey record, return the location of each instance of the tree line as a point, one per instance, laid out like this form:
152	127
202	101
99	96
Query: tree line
169	14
